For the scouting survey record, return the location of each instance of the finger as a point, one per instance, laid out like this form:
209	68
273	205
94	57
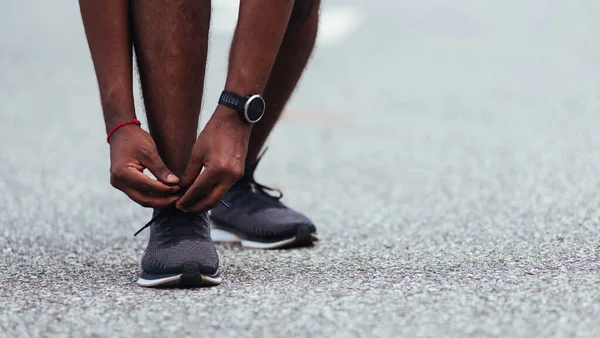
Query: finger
158	168
211	200
192	171
144	184
149	201
199	189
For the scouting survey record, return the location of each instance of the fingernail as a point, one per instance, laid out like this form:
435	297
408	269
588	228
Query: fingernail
181	208
171	178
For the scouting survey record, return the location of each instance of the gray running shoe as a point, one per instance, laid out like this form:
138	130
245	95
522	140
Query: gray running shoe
258	219
180	251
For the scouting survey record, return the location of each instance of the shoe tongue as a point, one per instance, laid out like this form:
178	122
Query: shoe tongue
169	211
176	215
247	181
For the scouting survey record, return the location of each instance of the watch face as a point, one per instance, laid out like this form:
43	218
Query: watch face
255	108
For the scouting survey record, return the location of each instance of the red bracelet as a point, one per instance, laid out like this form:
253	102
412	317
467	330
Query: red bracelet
112	131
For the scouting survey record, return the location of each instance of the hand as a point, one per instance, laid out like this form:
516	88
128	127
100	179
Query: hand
131	151
217	161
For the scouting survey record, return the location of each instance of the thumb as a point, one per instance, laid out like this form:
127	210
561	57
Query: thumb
191	172
158	168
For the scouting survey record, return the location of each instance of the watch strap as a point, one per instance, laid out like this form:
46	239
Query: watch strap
232	100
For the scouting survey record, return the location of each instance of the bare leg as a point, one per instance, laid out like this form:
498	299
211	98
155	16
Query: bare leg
255	217
171	41
294	53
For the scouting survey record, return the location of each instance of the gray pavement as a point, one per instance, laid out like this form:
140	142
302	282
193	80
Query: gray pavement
448	151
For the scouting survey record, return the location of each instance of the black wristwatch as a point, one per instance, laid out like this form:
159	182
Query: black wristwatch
251	107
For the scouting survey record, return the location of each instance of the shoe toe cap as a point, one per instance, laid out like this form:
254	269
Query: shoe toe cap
165	259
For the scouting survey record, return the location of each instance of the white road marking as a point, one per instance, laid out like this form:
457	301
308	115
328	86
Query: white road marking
337	22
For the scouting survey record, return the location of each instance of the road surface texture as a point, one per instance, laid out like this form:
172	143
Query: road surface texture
449	153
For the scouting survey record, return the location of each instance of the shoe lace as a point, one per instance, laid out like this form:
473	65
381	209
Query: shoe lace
264	190
174	230
248	181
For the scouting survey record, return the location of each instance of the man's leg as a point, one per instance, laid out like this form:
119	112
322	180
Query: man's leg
256	218
294	53
171	41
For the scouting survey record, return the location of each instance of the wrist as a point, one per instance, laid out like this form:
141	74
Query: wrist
113	121
232	118
251	108
121	129
114	117
117	109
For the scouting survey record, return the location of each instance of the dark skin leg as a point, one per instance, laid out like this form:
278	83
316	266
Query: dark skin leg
222	145
171	41
107	27
294	53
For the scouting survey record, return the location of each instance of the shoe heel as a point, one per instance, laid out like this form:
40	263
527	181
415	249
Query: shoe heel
191	276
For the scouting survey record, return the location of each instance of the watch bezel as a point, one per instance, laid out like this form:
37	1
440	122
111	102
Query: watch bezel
247	106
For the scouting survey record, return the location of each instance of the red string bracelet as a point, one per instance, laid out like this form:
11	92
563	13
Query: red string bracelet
112	131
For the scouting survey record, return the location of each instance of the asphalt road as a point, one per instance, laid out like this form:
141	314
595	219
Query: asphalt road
449	154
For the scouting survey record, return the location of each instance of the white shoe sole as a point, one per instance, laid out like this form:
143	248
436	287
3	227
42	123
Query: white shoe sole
175	281
190	278
223	236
